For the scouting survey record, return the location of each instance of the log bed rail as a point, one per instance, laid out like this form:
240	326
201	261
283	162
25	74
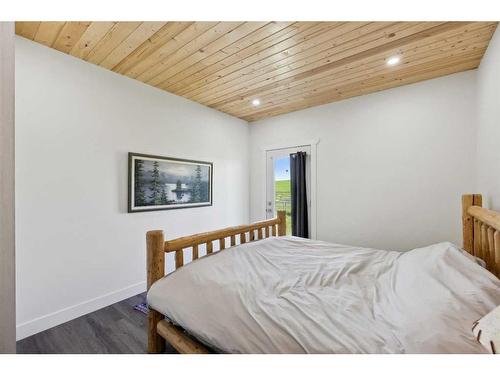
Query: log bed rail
160	329
481	231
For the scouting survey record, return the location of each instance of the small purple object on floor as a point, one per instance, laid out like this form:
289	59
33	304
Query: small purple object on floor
142	307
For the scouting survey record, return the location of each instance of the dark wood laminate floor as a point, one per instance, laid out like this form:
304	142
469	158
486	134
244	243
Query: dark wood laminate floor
112	330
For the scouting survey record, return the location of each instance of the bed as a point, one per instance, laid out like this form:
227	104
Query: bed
271	293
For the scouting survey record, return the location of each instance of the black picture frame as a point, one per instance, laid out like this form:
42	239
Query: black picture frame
167	204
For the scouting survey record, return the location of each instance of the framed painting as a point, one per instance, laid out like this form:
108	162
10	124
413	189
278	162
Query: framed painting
163	183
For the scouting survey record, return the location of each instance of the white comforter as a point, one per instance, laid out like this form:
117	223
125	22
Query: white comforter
290	295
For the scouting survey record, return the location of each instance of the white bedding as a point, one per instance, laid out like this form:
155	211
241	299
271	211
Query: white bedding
291	295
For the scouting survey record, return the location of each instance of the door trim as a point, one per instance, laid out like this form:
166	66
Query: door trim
289	144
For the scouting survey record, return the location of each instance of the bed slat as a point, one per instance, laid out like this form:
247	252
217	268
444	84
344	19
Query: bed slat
496	241
491	248
477	239
179	258
484	245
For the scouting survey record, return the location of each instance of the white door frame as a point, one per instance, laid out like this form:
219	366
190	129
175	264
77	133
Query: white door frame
313	189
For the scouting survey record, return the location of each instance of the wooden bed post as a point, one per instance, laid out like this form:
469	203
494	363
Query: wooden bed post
155	243
282	223
469	200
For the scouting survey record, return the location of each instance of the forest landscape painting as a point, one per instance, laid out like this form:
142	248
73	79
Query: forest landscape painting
162	183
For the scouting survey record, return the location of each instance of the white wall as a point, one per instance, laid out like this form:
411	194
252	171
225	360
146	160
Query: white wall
391	165
77	247
7	232
488	125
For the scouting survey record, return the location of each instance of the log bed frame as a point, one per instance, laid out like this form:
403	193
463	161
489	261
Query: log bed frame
481	238
160	329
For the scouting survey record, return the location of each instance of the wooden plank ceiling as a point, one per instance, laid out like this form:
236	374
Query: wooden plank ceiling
287	66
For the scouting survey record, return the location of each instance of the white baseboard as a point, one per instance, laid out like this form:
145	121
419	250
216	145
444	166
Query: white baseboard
44	322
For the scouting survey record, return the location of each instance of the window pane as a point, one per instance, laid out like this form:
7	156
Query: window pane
282	199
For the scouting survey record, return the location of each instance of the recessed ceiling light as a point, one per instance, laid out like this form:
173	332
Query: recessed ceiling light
255	102
393	60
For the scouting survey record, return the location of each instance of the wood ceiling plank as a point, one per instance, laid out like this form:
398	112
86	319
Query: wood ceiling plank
270	30
378	70
48	32
362	67
210	72
352	57
380	74
170	47
70	35
198	44
310	60
241	68
113	38
145	31
304	59
203	53
333	83
275	54
279	41
368	87
309	37
27	29
290	68
410	53
252	38
166	33
89	39
18	28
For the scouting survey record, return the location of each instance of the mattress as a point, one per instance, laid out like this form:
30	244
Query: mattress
293	295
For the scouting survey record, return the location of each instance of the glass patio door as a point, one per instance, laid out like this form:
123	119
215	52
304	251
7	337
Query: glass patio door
278	191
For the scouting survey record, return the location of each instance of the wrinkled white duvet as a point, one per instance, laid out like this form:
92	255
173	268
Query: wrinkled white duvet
291	295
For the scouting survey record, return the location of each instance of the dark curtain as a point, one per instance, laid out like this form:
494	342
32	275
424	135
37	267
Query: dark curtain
300	225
